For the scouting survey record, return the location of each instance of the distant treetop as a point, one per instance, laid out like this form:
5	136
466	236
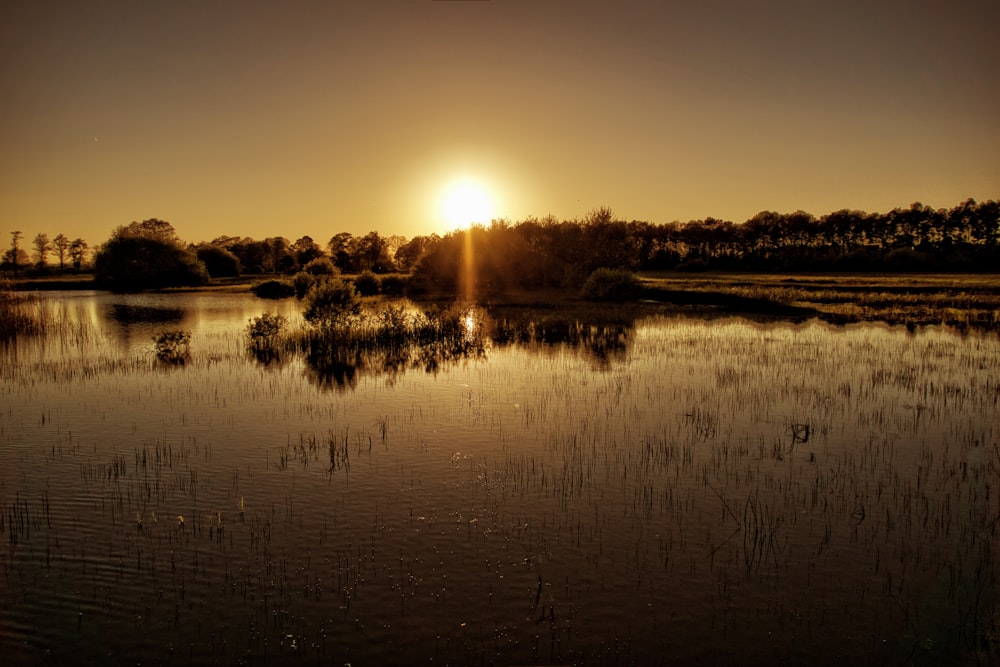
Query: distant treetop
153	229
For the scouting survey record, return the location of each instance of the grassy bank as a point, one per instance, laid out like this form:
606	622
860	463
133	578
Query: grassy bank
960	300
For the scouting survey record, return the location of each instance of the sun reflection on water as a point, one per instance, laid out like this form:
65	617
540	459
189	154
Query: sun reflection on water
472	322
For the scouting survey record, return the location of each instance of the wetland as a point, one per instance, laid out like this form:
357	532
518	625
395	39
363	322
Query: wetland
624	485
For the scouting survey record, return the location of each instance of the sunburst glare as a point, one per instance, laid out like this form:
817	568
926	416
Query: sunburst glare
466	202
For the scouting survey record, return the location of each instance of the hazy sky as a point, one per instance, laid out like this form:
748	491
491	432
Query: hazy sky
260	118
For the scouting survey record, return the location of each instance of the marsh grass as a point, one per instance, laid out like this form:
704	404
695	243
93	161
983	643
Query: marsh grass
390	338
20	314
262	334
739	484
797	489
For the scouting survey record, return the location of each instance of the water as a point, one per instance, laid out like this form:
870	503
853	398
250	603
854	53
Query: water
694	492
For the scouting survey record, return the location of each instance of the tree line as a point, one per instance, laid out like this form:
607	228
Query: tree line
67	252
549	252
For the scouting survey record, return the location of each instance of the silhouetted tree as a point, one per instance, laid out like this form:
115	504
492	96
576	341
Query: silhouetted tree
439	266
15	250
988	224
77	253
61	245
373	254
253	255
392	245
152	229
536	252
42	248
602	215
279	258
219	262
147	255
305	250
408	254
343	247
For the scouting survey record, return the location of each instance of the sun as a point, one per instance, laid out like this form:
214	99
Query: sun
466	202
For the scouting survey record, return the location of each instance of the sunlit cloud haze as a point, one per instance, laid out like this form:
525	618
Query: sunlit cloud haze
263	118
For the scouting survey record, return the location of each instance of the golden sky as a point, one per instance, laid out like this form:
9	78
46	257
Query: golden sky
259	118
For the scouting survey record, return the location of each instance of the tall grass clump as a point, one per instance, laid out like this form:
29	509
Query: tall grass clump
263	336
611	285
16	316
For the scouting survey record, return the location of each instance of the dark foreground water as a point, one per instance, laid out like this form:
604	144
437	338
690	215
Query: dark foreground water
680	491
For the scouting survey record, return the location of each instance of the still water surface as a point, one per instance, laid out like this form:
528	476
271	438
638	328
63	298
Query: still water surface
695	492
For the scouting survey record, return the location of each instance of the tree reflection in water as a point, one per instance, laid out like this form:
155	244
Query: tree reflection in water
394	340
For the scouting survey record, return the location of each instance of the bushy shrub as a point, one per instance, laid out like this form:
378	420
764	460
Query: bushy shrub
274	289
330	300
321	266
220	262
392	284
303	282
263	337
265	327
611	285
367	283
173	347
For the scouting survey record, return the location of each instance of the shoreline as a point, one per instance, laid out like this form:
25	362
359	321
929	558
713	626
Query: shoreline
962	300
